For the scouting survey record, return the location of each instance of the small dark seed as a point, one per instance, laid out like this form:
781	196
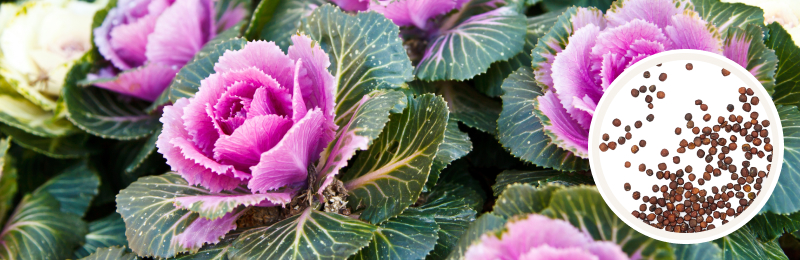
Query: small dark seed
677	130
605	137
662	166
634	149
730	106
746	107
704	107
749	92
627	164
634	92
642	167
627	128
616	122
646	74
742	98
650	118
754	115
676	159
603	147
662	77
706	117
627	186
648	99
765	123
754	101
643	89
652	88
698	102
636	195
725	72
689	66
612	145
664	152
660	95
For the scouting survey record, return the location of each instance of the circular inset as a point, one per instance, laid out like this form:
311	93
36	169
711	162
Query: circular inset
714	147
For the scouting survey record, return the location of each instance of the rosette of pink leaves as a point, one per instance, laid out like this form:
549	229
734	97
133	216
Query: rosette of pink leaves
148	41
601	46
541	238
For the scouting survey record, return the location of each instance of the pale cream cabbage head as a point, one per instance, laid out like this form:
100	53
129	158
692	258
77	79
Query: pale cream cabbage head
785	12
39	42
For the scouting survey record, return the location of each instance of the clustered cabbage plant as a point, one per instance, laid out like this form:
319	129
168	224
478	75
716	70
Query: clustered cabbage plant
349	129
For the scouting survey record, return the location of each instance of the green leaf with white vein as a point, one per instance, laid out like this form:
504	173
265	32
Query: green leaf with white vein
68	146
453	213
760	60
784	197
309	235
524	199
702	251
486	223
105	232
768	226
38	230
490	82
74	188
390	175
112	253
218	251
286	19
365	52
787	84
155	227
466	105
187	81
456	144
584	207
410	235
728	15
470	47
521	132
8	179
743	244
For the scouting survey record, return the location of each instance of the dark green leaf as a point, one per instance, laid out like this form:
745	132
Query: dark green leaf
490	82
521	132
743	244
112	253
218	251
553	5
146	149
453	213
767	226
102	112
35	169
784	197
74	188
390	175
456	144
468	48
365	52
211	46
311	234
70	146
286	21
486	223
8	179
787	88
38	230
466	105
538	177
703	251
410	235
187	81
262	16
728	15
584	207
524	199
105	232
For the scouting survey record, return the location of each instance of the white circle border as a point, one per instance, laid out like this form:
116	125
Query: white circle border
721	230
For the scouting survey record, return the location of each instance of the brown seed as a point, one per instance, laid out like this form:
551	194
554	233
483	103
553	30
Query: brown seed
746	107
662	77
649	172
634	149
690	124
603	147
648	99
706	117
768	147
652	88
692	177
635	92
754	115
765	123
754	101
650	118
662	166
616	122
725	72
677	130
660	95
707	176
688	168
742	98
643	89
642	167
664	152
698	102
730	106
700	153
642	143
627	128
605	137
638	124
655	188
749	91
742	90
689	66
621	140
704	107
636	195
646	74
676	159
612	145
627	164
650	106
681	150
696	130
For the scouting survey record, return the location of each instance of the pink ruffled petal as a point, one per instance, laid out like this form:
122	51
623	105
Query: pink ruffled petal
573	75
658	12
298	104
582	17
257	135
565	131
181	32
145	82
191	152
344	149
647	47
198	116
413	12
585	104
586	16
265	56
287	163
689	31
611	67
204	231
269	100
194	173
736	48
606	250
352	5
314	80
219	201
546	252
129	41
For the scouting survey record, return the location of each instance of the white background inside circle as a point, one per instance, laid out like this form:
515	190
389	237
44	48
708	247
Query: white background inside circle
682	88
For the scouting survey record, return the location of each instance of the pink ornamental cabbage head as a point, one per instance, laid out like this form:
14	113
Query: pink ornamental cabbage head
261	119
150	40
541	238
601	47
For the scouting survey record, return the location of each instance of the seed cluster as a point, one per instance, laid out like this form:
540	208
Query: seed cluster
684	205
